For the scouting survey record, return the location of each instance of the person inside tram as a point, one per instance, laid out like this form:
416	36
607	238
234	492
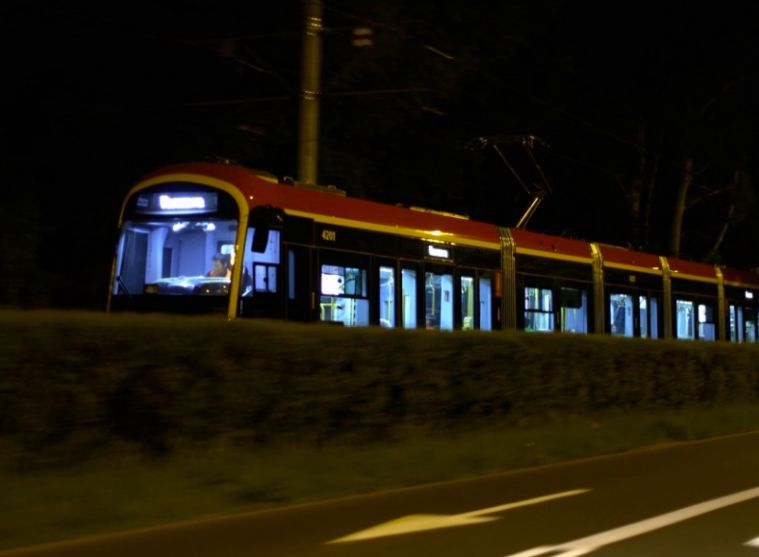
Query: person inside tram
220	267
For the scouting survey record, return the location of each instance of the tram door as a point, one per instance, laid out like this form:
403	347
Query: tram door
261	280
342	284
410	294
469	297
750	322
742	323
633	313
476	291
387	293
439	296
300	296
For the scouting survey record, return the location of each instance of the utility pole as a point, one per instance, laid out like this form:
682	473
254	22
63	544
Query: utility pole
308	124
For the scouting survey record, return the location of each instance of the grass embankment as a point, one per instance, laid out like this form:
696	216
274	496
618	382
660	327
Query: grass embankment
114	421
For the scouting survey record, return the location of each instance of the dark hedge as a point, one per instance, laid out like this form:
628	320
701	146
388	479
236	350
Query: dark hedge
74	383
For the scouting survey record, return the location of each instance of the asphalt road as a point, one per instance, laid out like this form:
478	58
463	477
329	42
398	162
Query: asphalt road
697	499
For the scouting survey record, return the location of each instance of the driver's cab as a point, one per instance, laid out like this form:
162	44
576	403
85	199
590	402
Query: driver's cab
174	239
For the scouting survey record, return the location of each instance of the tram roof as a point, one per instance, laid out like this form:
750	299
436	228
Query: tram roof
340	210
741	279
260	188
616	257
555	247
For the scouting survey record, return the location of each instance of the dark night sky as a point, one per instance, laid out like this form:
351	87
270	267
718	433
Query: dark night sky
96	94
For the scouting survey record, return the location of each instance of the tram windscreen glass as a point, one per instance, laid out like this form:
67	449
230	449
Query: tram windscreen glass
181	256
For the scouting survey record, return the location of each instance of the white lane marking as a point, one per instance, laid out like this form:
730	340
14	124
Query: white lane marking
753	543
421	522
583	546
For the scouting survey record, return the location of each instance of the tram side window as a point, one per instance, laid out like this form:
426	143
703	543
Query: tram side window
344	295
538	309
486	304
685	325
621	314
649	317
735	317
387	296
743	323
259	272
408	298
291	274
467	303
706	328
751	325
574	310
439	301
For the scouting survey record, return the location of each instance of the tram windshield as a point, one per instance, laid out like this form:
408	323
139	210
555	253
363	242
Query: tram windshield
177	239
176	257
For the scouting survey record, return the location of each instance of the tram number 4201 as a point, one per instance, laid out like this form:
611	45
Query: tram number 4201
329	235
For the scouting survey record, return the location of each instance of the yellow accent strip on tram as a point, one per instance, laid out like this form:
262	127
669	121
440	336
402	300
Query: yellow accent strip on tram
686	276
737	284
552	255
429	235
639	269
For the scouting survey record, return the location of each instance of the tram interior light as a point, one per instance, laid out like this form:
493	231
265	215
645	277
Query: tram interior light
749	295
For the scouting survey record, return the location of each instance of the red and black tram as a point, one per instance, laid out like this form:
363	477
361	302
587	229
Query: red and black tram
203	237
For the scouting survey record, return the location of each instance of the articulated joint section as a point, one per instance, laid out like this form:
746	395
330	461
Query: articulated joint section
599	315
666	276
509	275
721	304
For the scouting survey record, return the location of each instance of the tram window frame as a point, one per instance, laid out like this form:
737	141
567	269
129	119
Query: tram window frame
742	303
470	303
653	317
752	335
555	285
261	269
703	324
356	303
486	300
553	273
444	318
388	318
697	293
706	324
411	291
300	301
540	310
584	305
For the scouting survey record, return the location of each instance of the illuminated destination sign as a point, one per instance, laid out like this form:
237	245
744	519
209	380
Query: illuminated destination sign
177	203
441	253
167	202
